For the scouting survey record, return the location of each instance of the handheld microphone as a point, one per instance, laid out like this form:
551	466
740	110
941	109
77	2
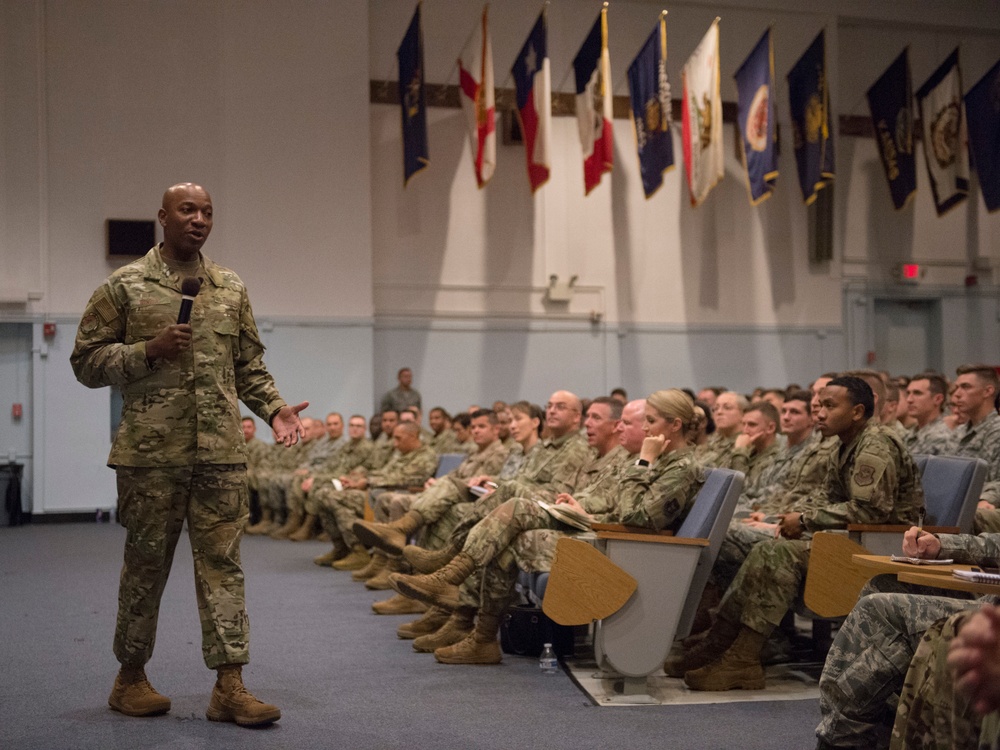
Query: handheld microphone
189	290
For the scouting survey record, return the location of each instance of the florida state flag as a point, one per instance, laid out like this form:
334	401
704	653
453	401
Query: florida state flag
475	68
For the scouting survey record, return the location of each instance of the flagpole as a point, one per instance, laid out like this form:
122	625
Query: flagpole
570	69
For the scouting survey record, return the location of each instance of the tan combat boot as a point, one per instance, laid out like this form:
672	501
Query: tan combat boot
132	694
739	668
427	561
710	648
479	647
458	626
233	702
389	537
432	621
398	605
375	564
338	552
292	524
357	559
380	581
264	525
439	588
306	531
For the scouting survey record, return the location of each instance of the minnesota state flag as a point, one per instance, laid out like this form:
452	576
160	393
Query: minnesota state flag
411	98
809	105
649	91
755	118
982	107
942	120
890	100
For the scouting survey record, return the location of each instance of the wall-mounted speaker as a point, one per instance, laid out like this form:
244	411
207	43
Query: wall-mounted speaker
132	237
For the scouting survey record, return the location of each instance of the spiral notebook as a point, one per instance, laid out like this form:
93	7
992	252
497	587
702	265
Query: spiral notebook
977	576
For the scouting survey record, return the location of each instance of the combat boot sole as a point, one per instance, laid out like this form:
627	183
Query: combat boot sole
719	676
470	651
398	605
378	535
219	711
431	622
437	594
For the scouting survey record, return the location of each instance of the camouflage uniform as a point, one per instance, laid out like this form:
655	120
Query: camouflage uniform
381	453
399	399
872	650
873	481
257	456
339	509
444	442
982	441
273	481
717	452
933	439
520	532
447	491
756	467
347	457
179	452
806	474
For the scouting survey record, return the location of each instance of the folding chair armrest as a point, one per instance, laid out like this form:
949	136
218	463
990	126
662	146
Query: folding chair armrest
621	529
653	537
897	528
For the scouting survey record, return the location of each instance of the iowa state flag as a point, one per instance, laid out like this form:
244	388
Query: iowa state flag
411	98
475	72
891	101
649	91
942	121
809	105
982	107
533	86
701	117
755	119
592	66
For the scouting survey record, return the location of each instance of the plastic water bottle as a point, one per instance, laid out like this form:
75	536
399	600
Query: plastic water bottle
547	662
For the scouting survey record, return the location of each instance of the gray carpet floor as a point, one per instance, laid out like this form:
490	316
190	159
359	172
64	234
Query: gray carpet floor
338	672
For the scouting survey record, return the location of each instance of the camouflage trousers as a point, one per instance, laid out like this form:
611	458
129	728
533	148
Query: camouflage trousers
438	534
930	712
338	510
867	662
987	521
516	534
391	506
767	584
736	546
153	504
271	490
433	503
295	496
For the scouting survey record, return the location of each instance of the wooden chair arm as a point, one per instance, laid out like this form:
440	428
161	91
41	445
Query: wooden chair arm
621	529
899	528
652	537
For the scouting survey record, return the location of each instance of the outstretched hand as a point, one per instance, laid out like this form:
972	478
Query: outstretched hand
286	426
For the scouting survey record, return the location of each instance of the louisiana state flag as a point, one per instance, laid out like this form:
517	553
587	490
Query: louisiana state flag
533	86
755	119
942	120
891	101
411	98
592	69
809	105
649	91
982	108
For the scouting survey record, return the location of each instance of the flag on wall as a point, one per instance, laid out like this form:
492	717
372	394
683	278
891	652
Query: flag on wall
982	106
533	86
649	91
475	72
755	120
809	105
891	102
942	121
701	117
411	98
592	66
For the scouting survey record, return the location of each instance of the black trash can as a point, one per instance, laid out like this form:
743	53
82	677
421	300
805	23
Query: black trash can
10	494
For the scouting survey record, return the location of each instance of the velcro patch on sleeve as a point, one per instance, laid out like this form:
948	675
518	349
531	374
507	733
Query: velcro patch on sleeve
105	308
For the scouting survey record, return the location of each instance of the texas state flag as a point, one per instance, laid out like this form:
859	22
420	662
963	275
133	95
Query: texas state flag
475	68
533	85
592	66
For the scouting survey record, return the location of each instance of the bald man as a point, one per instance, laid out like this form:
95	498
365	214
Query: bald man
179	453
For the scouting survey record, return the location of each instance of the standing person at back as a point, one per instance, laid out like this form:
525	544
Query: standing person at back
179	453
404	395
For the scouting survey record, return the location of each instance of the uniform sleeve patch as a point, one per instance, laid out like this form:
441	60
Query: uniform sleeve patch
105	308
864	475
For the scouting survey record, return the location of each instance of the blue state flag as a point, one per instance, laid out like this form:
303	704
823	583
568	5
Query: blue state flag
755	118
891	102
649	91
411	98
982	112
809	105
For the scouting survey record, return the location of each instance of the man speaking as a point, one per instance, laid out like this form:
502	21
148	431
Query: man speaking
179	452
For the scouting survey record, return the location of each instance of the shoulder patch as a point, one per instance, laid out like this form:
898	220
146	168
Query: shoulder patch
864	475
105	308
89	323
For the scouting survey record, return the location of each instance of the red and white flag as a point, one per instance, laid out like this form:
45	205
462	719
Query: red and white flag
592	68
479	100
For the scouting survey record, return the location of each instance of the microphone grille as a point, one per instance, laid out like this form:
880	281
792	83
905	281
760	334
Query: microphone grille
191	286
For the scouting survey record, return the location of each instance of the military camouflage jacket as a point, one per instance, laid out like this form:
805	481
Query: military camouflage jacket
515	460
382	451
753	464
969	549
406	469
552	465
933	439
596	486
873	480
717	452
982	441
659	496
444	442
348	456
485	462
184	411
806	472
